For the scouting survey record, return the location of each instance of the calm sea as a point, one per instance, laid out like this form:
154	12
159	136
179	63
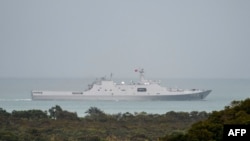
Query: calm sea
15	95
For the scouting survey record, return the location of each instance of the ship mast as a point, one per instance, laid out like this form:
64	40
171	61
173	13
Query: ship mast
142	75
142	79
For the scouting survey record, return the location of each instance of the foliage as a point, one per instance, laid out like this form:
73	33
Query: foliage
211	129
57	113
59	125
94	111
96	114
30	114
4	113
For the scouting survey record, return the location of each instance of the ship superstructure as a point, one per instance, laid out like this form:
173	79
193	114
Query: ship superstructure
107	89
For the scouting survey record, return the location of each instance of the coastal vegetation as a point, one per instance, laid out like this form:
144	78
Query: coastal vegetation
211	129
57	124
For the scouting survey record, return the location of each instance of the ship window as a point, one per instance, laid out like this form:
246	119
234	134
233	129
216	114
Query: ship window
141	89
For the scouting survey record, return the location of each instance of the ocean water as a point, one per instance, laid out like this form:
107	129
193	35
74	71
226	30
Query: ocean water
15	94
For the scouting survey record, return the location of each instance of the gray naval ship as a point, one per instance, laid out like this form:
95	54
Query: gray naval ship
107	89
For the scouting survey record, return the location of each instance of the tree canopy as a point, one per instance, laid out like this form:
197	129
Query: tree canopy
58	124
238	112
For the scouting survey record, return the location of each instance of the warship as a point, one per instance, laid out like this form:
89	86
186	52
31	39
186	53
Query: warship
107	89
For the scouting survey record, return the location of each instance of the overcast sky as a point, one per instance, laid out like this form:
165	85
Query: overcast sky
92	38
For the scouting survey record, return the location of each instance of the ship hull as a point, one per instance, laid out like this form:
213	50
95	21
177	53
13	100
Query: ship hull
107	89
81	96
